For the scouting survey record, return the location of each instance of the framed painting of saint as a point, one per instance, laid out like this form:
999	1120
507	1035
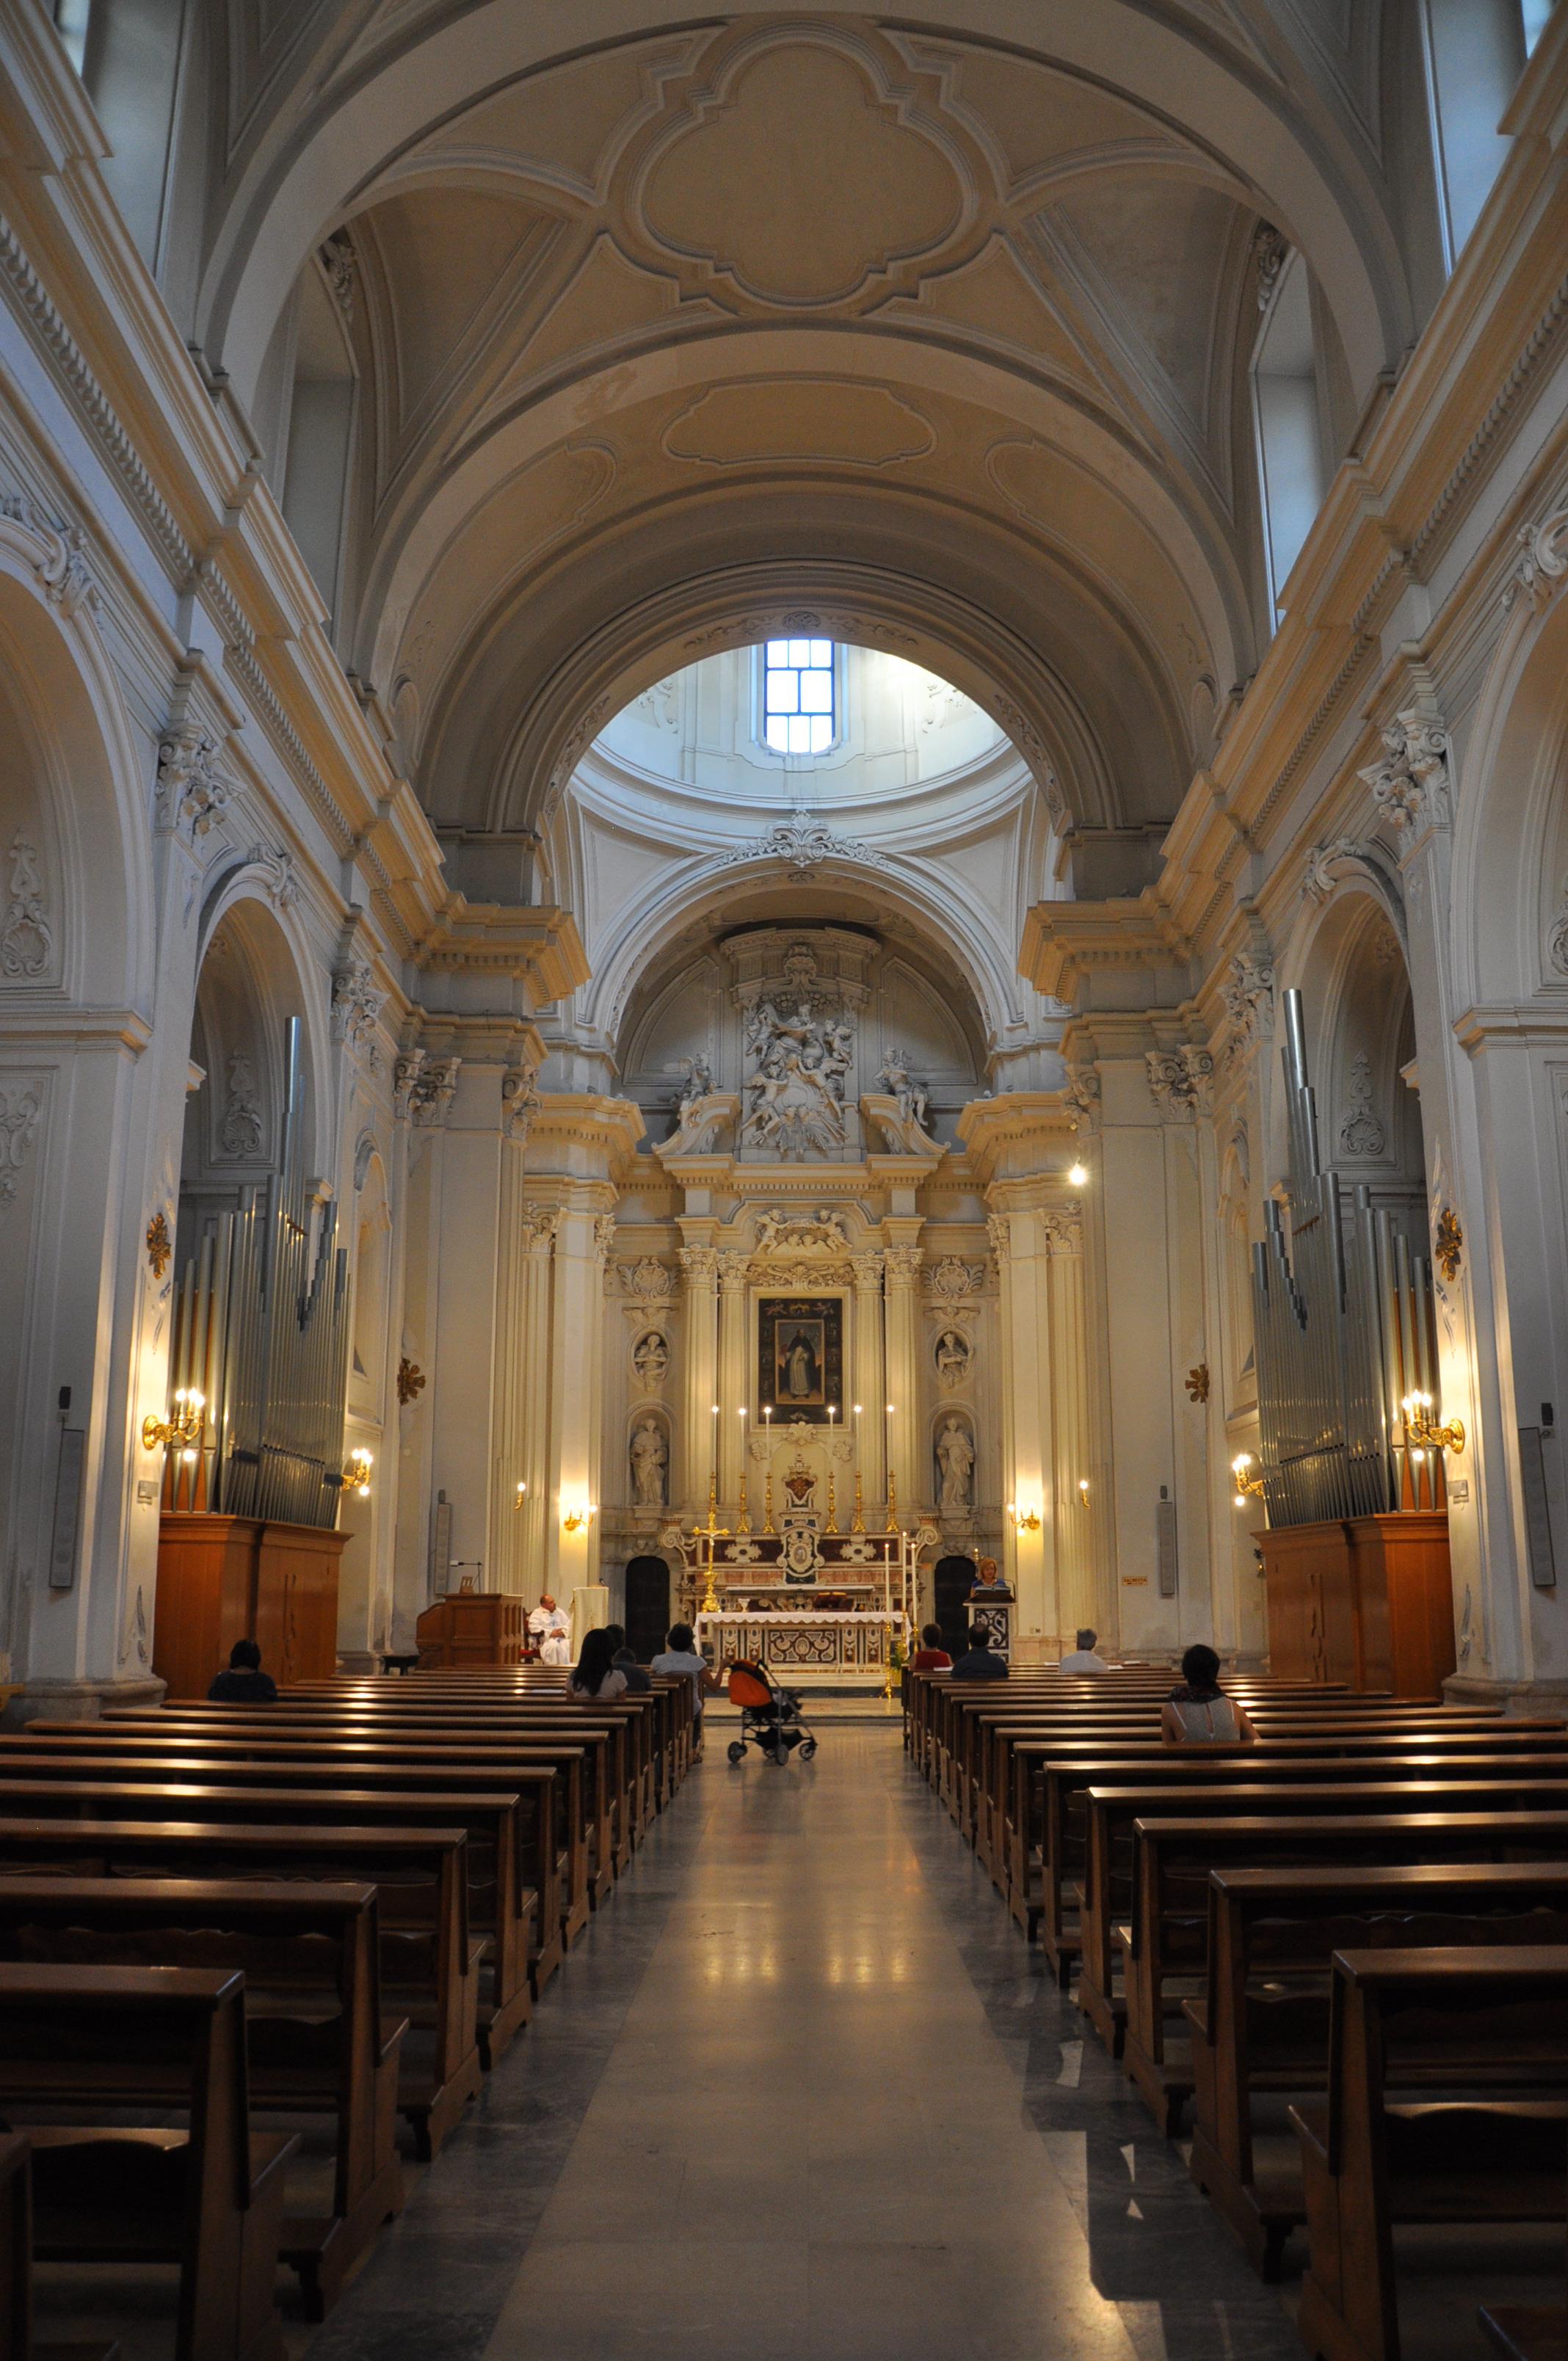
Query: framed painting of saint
800	1358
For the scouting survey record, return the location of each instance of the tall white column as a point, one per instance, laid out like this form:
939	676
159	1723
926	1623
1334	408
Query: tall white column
1071	1508
734	1384
576	1350
699	1269
522	1380
905	1439
871	1380
1029	1462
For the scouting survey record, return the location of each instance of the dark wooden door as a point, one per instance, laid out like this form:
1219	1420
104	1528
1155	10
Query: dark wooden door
953	1581
647	1606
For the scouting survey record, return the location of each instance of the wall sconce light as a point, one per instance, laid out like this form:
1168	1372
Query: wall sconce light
575	1521
1422	1432
520	1496
1079	1175
1246	1484
356	1474
182	1430
1023	1520
1083	1489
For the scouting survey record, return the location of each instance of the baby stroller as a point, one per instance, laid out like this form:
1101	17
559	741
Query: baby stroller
770	1716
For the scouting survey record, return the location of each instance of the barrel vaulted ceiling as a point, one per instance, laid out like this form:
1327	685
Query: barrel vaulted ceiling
939	329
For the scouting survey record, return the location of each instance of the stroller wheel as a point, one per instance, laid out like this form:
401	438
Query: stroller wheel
737	1749
777	1752
807	1749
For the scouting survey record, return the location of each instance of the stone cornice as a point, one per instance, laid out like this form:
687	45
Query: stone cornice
1024	1133
1064	942
572	1130
540	946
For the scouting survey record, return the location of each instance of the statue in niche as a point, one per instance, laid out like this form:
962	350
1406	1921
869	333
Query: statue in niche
914	1104
650	1358
699	1083
650	1462
954	1353
955	1455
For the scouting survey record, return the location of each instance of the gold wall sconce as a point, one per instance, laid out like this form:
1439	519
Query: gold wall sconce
356	1474
1023	1520
1423	1432
1247	1485
182	1432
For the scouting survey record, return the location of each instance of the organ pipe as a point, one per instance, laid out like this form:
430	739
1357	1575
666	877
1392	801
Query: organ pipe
261	1329
1343	1330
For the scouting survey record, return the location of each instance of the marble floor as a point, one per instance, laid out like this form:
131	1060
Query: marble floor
802	2092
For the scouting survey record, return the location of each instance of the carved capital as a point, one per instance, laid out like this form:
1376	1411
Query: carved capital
537	1225
1182	1081
405	1080
1063	1230
430	1087
867	1269
902	1264
1000	1231
1248	997
520	1100
356	1004
1411	782
700	1264
193	791
732	1272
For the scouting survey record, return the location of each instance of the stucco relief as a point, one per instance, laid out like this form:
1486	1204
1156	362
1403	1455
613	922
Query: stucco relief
832	187
829	420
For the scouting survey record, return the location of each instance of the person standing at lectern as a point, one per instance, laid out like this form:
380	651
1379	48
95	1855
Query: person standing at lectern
988	1582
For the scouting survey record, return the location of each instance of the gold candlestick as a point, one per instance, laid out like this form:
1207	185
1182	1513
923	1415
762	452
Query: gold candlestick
892	1503
743	1521
768	1502
832	1524
858	1524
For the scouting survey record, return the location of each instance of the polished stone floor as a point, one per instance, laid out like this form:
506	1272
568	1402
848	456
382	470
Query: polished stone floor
801	2091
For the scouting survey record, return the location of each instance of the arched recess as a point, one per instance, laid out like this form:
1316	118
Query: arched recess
77	935
250	984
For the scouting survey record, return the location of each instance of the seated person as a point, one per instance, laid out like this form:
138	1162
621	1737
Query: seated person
930	1656
245	1683
1199	1713
1082	1658
595	1675
680	1656
551	1629
636	1681
980	1662
988	1583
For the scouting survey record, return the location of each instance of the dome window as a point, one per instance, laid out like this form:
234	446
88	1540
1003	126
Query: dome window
800	698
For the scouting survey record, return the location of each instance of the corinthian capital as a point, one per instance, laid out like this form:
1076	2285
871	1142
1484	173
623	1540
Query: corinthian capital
700	1265
867	1269
902	1264
1411	783
732	1269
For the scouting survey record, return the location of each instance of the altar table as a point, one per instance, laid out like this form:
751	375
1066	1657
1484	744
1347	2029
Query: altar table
843	1644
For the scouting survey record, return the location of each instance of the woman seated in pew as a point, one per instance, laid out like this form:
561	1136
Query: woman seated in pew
598	1676
930	1656
245	1683
1199	1713
625	1661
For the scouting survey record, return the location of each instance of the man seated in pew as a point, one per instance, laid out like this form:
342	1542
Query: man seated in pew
980	1661
680	1655
1197	1712
245	1683
597	1675
550	1628
1081	1658
636	1681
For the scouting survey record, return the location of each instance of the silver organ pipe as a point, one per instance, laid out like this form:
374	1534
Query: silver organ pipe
1343	1330
261	1330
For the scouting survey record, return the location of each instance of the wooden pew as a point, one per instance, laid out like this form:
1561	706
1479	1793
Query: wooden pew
1261	2022
358	1763
1172	1863
1051	1779
208	2198
17	2265
430	1961
299	1946
1112	1812
1526	2332
1370	2161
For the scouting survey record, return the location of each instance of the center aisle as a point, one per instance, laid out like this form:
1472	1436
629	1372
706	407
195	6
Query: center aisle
842	2116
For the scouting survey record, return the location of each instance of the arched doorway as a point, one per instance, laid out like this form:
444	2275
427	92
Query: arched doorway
951	1583
647	1606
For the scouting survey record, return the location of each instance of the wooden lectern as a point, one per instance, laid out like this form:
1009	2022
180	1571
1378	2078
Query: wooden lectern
471	1628
225	1579
1364	1599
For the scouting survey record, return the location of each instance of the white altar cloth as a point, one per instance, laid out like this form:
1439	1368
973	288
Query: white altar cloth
846	1643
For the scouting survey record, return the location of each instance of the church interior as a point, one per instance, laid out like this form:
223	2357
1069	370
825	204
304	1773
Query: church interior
784	871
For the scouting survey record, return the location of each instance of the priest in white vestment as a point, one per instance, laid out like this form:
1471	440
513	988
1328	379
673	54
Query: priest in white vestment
551	1628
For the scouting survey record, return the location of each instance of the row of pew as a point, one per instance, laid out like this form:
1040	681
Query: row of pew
1361	1920
254	1958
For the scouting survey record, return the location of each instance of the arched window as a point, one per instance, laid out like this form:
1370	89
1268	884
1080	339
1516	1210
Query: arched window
1291	470
320	432
1472	52
800	697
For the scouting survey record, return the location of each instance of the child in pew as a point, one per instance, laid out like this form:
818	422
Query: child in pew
245	1683
597	1675
1197	1712
636	1681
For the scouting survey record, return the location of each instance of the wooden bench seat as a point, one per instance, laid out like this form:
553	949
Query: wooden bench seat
208	2198
16	2338
316	2040
360	1764
1262	2022
1370	2161
430	1958
1480	1804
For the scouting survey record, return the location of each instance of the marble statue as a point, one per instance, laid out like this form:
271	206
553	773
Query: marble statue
952	1356
914	1105
795	1100
650	1358
955	1454
649	1460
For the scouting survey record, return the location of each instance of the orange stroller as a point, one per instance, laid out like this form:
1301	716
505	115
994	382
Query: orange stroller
770	1716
